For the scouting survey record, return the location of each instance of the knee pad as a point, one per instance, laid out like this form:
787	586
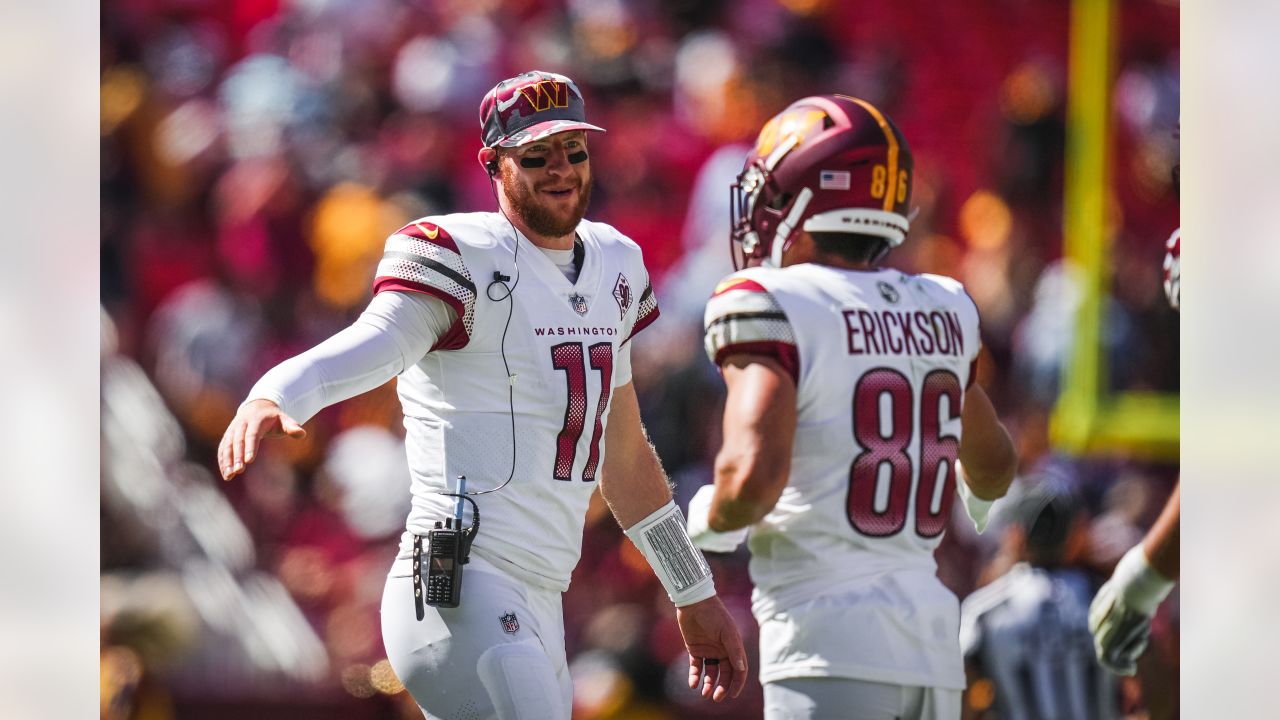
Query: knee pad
521	682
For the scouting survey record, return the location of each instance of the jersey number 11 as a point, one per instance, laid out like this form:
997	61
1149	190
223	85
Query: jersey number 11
569	357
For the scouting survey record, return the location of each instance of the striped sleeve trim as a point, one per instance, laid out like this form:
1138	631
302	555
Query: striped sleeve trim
785	354
646	312
422	257
743	317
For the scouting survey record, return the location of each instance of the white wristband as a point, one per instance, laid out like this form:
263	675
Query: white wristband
664	542
977	508
1141	586
700	531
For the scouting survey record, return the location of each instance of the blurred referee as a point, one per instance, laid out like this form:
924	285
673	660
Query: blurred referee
1027	632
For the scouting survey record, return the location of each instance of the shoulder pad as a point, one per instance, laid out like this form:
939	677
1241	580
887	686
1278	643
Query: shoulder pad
744	317
423	257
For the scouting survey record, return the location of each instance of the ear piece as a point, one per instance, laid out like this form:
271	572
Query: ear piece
491	167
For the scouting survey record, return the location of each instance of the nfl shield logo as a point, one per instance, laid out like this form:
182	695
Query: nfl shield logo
579	303
622	293
510	624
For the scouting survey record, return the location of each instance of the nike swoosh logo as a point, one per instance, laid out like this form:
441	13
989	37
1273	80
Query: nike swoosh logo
510	101
431	234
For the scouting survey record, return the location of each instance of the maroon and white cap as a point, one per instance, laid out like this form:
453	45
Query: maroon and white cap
529	107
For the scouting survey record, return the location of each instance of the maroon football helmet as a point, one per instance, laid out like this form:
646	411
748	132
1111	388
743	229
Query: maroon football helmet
828	163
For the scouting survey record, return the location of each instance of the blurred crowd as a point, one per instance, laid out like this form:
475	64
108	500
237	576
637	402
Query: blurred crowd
256	153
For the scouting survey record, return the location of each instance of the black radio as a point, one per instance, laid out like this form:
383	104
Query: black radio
446	554
448	548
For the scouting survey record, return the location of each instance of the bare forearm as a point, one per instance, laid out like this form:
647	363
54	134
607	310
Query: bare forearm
634	491
759	424
989	479
986	450
1162	540
737	475
632	481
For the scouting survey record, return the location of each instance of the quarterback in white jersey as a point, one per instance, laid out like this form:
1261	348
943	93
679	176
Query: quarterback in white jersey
510	335
851	422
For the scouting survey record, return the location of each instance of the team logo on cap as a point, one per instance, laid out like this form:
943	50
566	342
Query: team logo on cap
529	107
546	94
510	623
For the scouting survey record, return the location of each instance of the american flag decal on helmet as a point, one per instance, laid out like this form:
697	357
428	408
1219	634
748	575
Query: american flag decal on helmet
834	180
422	257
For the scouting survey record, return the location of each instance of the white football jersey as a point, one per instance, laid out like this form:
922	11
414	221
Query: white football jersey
881	360
565	351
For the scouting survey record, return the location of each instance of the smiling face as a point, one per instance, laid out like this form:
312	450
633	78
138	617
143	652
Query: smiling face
552	199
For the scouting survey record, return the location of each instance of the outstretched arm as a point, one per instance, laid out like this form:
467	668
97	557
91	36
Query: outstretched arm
392	333
635	487
1161	542
1120	614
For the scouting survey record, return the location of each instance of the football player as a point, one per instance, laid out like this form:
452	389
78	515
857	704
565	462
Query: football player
510	333
1120	614
852	420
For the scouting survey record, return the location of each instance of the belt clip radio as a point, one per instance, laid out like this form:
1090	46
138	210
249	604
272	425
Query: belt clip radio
448	549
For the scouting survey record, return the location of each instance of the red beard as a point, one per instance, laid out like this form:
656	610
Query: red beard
537	216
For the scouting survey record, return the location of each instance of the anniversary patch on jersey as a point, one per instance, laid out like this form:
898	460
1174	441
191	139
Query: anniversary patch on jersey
622	293
742	317
422	257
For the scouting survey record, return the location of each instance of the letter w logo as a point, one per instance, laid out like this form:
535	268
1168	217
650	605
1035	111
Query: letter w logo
546	94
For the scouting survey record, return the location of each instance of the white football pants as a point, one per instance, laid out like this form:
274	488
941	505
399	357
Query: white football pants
830	698
477	661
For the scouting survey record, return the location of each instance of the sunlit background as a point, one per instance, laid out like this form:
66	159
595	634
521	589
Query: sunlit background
256	153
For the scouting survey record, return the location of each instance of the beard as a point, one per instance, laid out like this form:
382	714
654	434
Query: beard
539	217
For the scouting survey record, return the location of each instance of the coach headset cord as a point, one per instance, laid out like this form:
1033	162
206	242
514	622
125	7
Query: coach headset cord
459	540
500	280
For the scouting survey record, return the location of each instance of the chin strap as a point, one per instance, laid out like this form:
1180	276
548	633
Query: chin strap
781	239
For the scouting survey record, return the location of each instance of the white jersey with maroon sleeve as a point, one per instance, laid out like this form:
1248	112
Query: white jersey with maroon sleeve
881	360
565	350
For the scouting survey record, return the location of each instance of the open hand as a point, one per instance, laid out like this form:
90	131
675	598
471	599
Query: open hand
717	659
255	420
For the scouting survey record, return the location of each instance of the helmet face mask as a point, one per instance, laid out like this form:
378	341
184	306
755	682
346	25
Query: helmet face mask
745	240
828	163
